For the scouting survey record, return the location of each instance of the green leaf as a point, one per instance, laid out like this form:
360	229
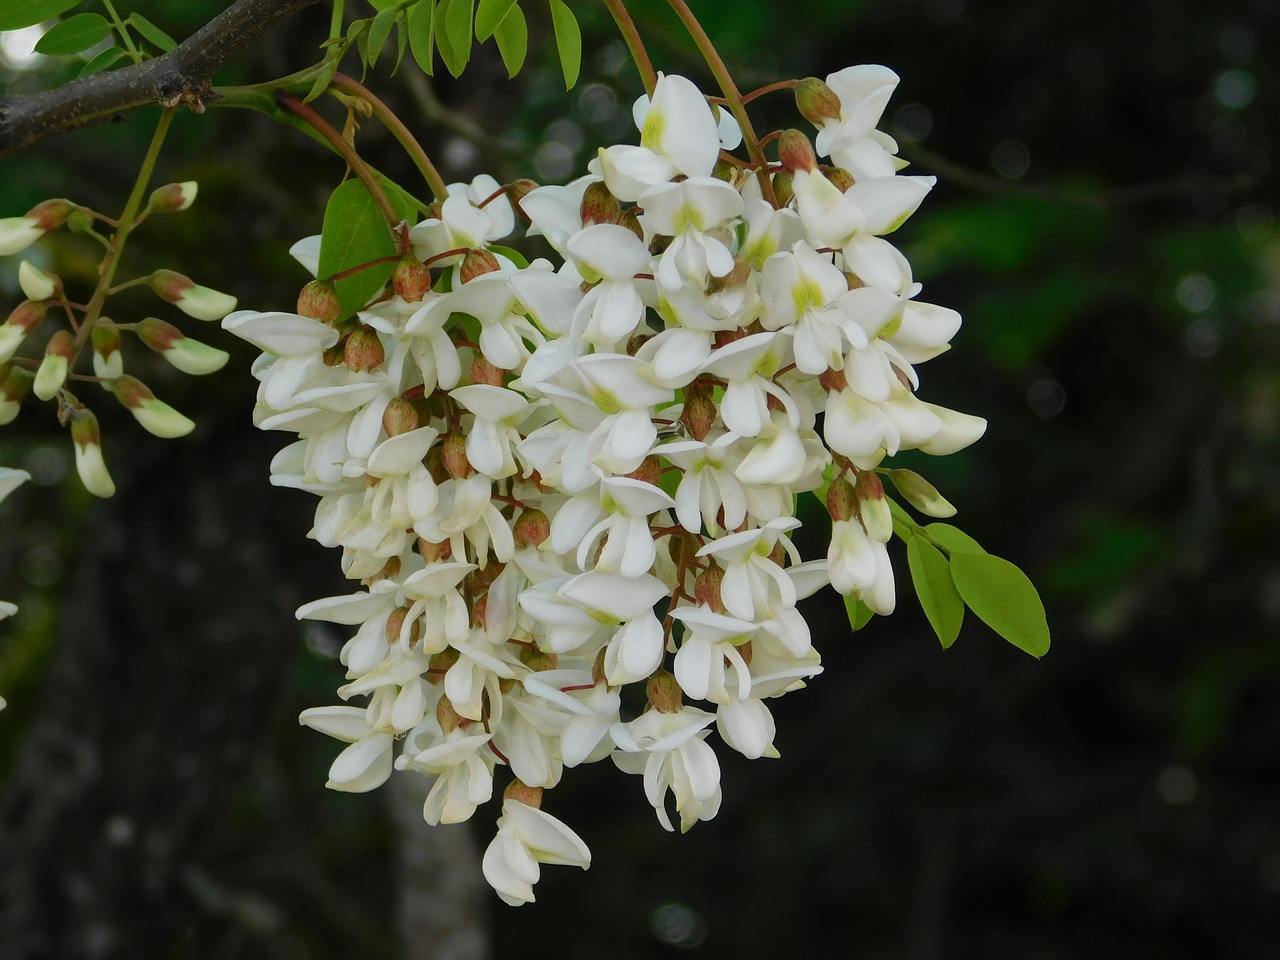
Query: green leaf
452	61
402	39
515	256
325	76
103	60
16	14
354	232
931	577
859	613
489	14
1003	598
379	31
73	35
421	35
920	493
568	42
384	4
952	539
512	37
457	33
152	33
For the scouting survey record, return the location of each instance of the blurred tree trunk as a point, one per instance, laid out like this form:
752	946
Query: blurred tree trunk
168	665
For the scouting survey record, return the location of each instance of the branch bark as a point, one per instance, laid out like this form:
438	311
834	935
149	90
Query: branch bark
181	77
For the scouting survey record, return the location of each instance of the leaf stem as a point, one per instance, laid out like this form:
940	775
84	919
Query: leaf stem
123	30
631	36
294	105
115	247
398	130
731	94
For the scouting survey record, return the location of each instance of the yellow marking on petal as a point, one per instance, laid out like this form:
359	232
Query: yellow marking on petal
605	401
806	294
651	132
688	218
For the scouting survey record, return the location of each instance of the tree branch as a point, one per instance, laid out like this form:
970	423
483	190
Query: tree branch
181	77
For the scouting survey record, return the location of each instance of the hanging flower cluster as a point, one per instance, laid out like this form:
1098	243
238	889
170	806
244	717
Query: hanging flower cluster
557	481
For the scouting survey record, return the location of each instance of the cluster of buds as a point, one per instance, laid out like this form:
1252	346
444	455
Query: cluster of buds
556	480
10	480
48	377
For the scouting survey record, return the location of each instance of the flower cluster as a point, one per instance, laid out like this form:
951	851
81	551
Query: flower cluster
554	481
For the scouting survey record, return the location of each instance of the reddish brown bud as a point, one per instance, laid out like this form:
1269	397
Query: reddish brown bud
516	192
841	178
842	501
28	315
484	372
707	588
869	486
538	660
395	626
778	554
523	793
699	415
453	453
477	263
172	197
783	188
833	381
52	214
724	337
853	281
598	205
448	718
433	552
796	152
439	665
597	668
664	692
636	342
319	301
363	351
745	651
156	334
390	571
816	101
62	344
411	279
531	529
335	355
15	383
628	219
649	471
399	417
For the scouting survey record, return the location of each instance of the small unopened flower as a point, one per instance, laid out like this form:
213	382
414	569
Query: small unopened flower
191	298
108	360
89	463
155	416
172	197
25	317
189	356
18	233
53	368
37	284
15	382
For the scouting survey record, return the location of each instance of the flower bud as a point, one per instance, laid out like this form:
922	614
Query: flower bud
531	529
538	660
335	355
783	189
448	718
155	416
363	351
816	101
25	317
516	192
189	297
699	414
189	356
796	152
724	170
395	626
597	668
921	494
842	500
434	552
833	381
55	365
840	178
14	384
484	372
706	589
18	233
664	692
873	508
598	205
649	471
477	263
439	665
52	214
399	417
89	462
38	284
523	793
453	452
628	219
411	279
108	361
318	300
172	197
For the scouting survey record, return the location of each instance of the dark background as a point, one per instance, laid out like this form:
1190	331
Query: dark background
1105	222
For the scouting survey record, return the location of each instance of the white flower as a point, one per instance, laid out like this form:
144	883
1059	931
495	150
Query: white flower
361	767
670	749
527	837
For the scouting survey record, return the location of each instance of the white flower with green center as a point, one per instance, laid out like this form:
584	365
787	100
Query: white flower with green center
707	482
609	256
527	837
498	413
671	751
463	223
593	709
462	765
697	214
748	366
627	505
864	92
